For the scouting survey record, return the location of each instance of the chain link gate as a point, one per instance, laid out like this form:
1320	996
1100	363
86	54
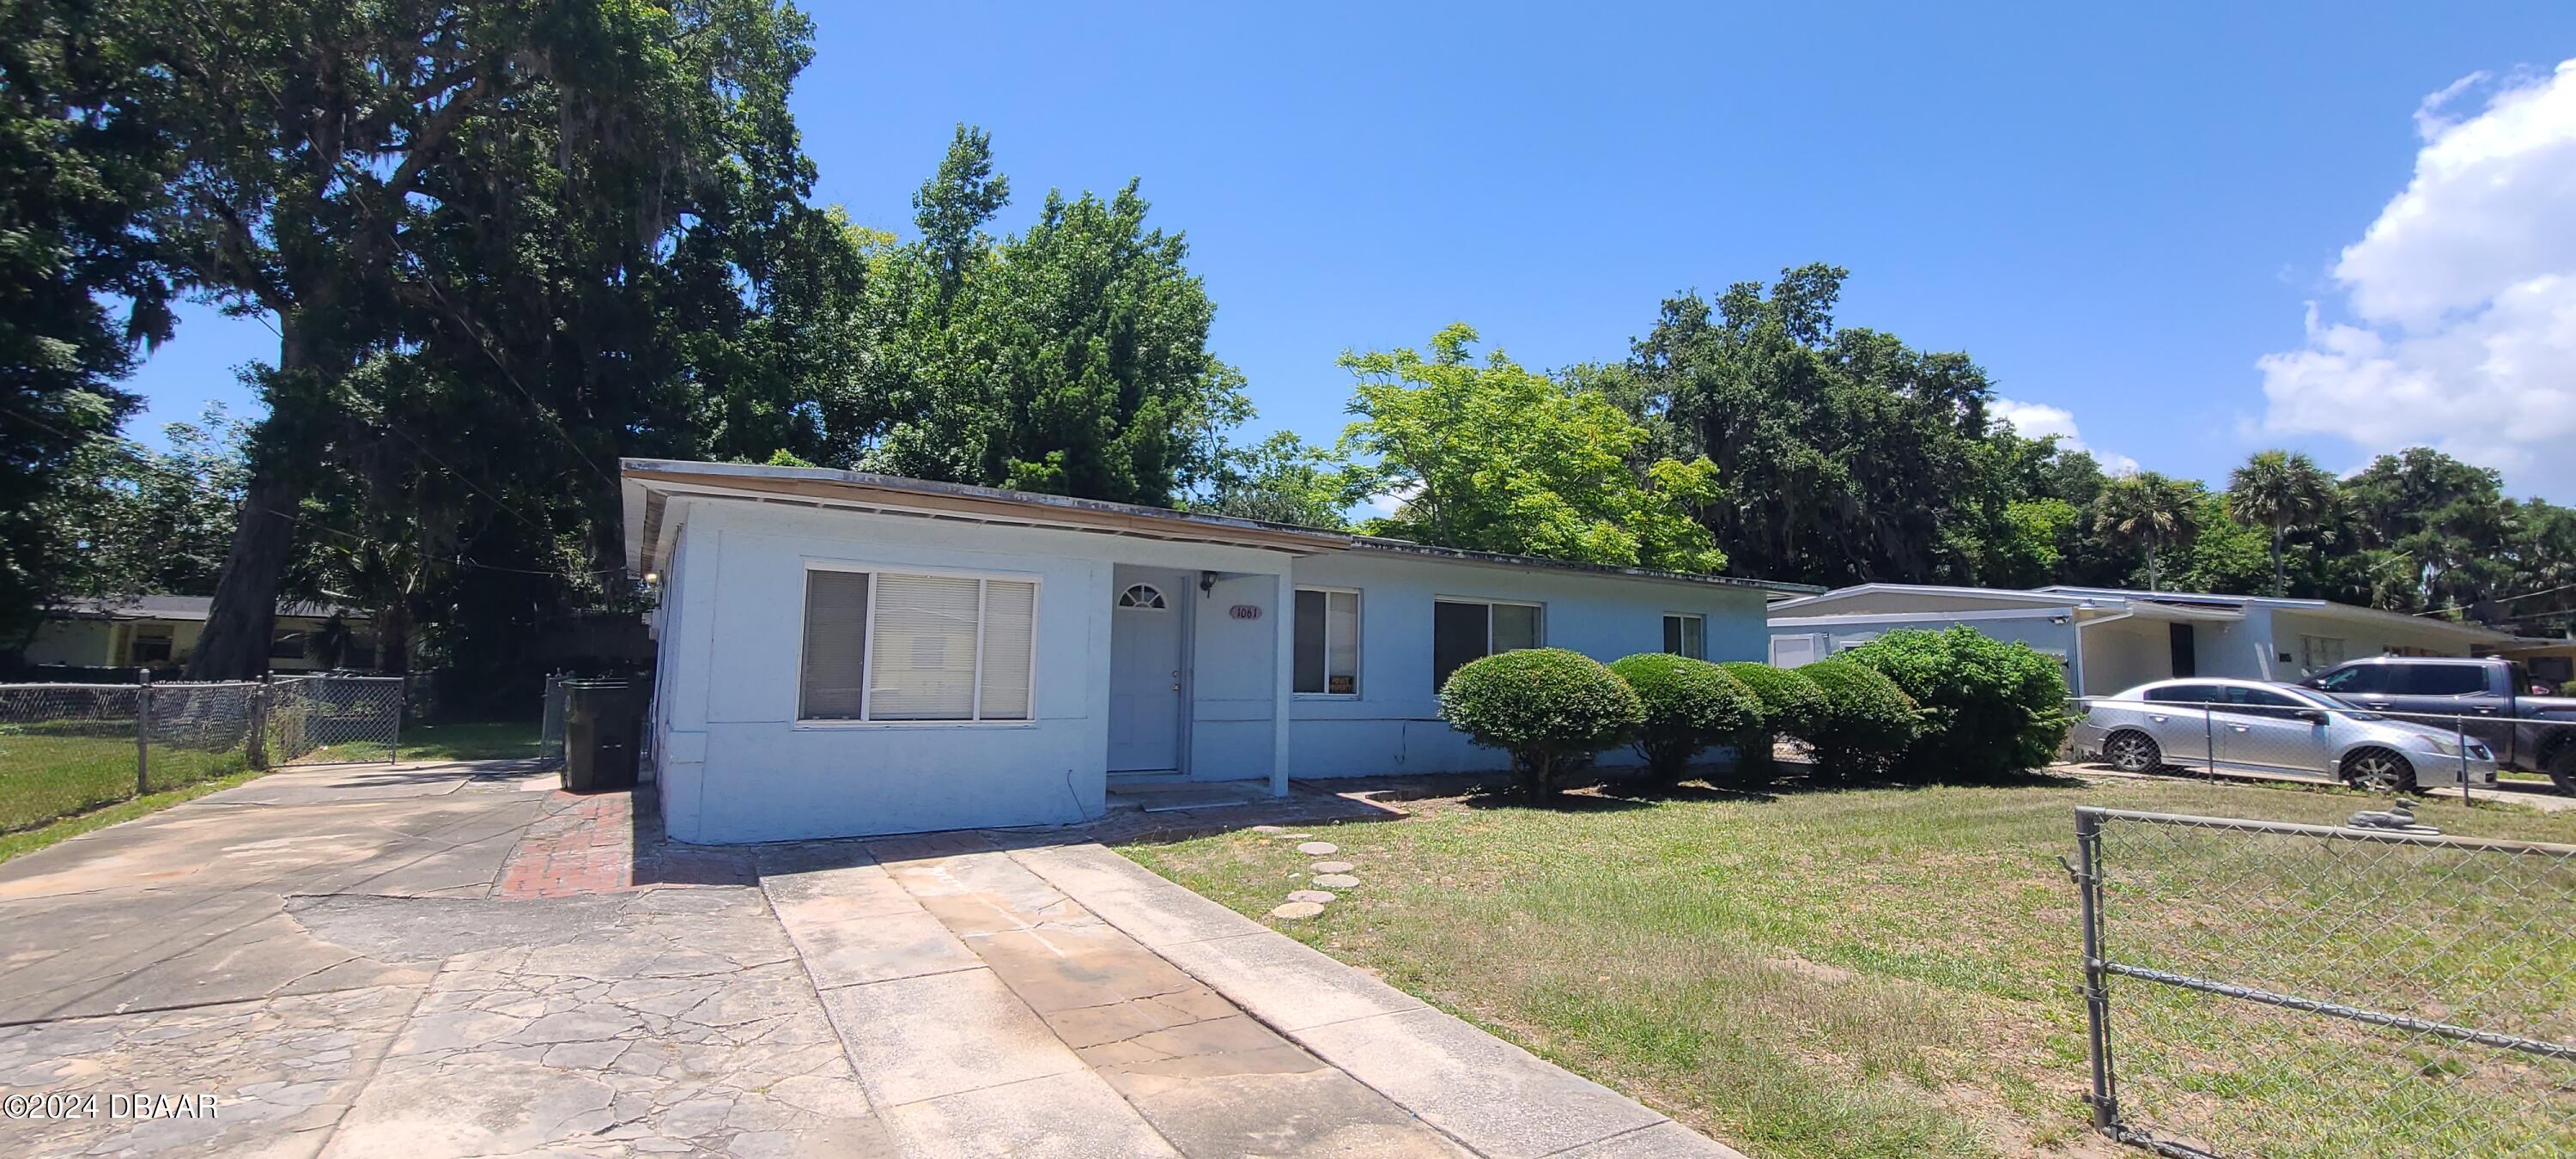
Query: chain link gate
2262	988
333	719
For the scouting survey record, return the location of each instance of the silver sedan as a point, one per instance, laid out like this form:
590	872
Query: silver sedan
2252	727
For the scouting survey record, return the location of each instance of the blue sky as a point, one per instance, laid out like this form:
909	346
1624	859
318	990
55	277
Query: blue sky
2120	212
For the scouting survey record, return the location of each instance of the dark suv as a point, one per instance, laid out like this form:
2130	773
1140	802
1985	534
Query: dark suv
2490	699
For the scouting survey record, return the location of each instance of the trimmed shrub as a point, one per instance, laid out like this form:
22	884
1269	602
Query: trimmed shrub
1790	703
1550	708
1991	709
1690	705
1864	723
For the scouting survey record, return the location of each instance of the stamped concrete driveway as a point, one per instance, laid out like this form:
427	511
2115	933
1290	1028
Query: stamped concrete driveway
456	960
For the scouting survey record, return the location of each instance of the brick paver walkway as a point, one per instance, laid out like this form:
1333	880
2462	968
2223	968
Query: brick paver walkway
596	845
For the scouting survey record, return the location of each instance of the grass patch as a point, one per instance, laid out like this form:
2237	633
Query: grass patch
1872	972
428	743
59	768
30	840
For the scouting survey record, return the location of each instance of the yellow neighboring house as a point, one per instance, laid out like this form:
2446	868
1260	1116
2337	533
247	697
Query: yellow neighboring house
160	631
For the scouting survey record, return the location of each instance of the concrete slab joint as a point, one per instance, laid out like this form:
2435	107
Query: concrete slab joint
1484	1095
460	961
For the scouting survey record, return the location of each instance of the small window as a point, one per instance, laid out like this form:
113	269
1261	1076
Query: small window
1141	596
1328	642
2318	653
149	648
1464	630
1686	635
286	645
887	647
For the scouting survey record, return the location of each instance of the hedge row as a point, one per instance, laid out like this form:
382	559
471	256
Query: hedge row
1948	704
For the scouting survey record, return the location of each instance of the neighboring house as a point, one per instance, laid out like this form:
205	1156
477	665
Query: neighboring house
844	653
2112	639
2550	661
160	632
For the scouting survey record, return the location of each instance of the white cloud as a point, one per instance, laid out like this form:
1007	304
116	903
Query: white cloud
2032	420
2461	297
1384	504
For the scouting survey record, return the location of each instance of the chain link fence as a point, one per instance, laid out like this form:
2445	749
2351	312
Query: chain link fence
550	726
2263	988
332	719
70	748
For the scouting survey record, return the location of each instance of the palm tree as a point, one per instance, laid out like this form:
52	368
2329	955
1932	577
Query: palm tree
2147	510
2280	490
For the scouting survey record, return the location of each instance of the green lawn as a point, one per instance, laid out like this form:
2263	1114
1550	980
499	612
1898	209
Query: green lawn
59	778
51	769
471	741
1867	972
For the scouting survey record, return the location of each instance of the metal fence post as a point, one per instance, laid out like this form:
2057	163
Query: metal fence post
402	693
258	754
2460	735
143	733
2097	992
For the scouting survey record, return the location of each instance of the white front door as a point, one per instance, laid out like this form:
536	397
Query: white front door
1145	638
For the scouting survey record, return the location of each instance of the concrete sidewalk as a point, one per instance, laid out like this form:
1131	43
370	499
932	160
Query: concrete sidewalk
457	960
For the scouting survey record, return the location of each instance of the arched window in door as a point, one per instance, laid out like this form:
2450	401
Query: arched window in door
1141	596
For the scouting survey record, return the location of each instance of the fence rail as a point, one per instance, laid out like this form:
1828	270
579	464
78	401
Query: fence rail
69	748
2264	988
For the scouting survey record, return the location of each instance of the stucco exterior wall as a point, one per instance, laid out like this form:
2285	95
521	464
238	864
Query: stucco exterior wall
2035	630
87	643
1936	603
2361	638
737	766
1394	726
2123	654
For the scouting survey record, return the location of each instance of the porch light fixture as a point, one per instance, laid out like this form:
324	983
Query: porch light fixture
1207	582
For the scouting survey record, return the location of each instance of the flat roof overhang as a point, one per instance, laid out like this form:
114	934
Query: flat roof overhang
647	485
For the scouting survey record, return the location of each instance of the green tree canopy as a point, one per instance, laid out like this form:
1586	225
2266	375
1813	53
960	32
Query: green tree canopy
1071	358
2280	490
86	143
2150	512
1491	456
1844	455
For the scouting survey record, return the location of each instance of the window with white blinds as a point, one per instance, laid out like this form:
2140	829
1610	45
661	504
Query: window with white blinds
884	646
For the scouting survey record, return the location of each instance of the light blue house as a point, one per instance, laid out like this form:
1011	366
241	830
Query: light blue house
847	654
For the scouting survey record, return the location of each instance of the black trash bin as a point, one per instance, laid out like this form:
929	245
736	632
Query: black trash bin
603	731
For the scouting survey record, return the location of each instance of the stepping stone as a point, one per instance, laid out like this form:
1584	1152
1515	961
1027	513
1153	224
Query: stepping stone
1334	867
1269	828
1336	881
1316	896
1297	909
1318	848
